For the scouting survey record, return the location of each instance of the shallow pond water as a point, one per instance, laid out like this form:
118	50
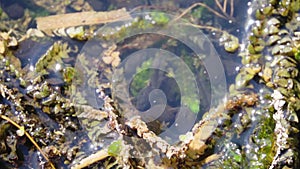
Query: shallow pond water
169	86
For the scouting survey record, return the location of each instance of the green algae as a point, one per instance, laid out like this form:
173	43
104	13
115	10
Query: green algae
263	136
115	148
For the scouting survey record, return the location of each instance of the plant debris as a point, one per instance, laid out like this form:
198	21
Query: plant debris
53	22
63	105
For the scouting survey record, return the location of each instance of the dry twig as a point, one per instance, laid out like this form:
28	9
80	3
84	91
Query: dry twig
100	155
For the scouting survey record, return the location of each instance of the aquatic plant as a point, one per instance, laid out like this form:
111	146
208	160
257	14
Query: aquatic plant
255	127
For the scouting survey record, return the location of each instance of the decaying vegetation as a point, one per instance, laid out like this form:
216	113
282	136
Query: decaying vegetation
61	107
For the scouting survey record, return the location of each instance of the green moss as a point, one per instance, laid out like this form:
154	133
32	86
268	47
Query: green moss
137	25
53	56
264	139
192	101
115	148
198	12
297	55
233	158
295	5
35	10
68	74
160	18
266	135
141	79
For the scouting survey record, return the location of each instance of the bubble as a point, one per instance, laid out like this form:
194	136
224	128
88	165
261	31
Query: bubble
58	67
31	68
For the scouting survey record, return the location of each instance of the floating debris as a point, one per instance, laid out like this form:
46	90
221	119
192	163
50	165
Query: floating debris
50	23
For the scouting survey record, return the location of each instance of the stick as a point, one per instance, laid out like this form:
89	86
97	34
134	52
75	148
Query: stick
205	27
225	5
100	155
231	8
80	18
223	9
219	5
203	5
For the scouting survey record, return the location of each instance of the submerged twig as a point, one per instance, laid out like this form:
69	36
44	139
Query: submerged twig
211	28
224	8
225	5
203	5
100	155
80	18
222	15
220	6
231	8
29	137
